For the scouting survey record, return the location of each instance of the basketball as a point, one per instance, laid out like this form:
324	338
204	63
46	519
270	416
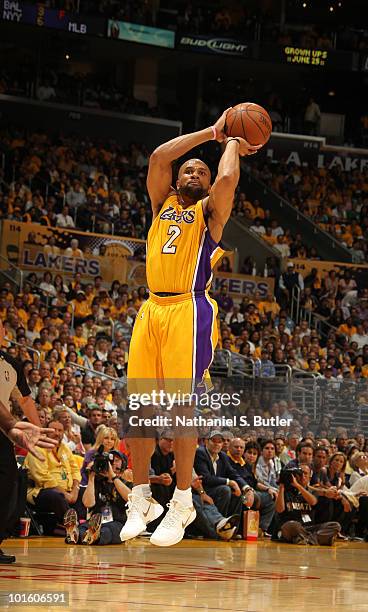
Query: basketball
249	121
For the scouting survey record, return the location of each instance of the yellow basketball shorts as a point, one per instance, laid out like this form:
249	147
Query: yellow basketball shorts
173	343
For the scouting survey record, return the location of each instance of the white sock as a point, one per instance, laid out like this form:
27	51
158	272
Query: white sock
143	490
184	496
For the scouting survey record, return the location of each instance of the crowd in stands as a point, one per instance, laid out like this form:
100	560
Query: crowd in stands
66	182
235	19
80	331
96	91
335	199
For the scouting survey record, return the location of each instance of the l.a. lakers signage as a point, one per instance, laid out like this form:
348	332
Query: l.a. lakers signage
240	285
305	151
37	248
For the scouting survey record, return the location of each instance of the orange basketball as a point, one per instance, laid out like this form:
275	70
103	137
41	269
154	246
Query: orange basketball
249	121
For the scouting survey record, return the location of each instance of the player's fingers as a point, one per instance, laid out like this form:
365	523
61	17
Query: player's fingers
47	430
35	453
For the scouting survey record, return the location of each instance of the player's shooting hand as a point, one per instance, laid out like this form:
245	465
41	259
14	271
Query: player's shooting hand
220	126
245	148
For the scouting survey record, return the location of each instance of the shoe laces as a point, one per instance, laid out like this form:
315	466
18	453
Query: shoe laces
175	514
134	506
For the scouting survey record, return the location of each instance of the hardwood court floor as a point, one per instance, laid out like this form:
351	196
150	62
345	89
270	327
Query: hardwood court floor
194	575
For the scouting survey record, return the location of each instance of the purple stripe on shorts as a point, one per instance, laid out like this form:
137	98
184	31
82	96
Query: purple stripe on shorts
205	316
204	266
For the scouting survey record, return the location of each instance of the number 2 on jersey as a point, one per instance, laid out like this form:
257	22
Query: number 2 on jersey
174	232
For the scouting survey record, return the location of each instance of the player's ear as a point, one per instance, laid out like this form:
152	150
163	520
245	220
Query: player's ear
177	184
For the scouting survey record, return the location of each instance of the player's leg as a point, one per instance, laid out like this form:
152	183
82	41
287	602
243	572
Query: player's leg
143	368
187	352
8	476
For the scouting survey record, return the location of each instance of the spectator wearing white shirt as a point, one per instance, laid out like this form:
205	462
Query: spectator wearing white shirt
282	247
63	219
257	227
234	316
361	335
276	229
76	196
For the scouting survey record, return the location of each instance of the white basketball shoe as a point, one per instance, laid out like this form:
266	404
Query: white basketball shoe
140	512
172	527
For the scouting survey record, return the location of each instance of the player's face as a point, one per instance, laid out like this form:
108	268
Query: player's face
194	180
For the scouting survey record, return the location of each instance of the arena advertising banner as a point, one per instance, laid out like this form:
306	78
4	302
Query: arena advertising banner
314	58
38	248
212	44
133	32
305	266
40	15
304	150
240	285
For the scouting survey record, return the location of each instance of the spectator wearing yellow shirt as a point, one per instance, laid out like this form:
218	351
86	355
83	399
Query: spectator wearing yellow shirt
105	300
78	338
22	314
258	210
347	328
89	293
269	307
54	483
74	250
81	307
268	237
120	306
45	342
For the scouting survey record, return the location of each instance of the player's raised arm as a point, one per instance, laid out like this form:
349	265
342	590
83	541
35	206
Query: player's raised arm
220	202
159	177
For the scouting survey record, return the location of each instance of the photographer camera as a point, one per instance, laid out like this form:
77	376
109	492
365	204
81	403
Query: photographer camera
294	511
105	498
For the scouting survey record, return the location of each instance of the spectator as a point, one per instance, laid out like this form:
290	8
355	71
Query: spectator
63	219
53	483
258	497
220	481
89	430
105	498
265	470
312	118
294	518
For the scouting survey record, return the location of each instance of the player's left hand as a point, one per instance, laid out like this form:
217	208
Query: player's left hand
220	126
28	436
245	148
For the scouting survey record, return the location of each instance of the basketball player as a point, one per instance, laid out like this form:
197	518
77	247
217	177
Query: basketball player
175	331
27	435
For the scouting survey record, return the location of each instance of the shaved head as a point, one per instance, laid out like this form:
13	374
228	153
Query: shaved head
193	162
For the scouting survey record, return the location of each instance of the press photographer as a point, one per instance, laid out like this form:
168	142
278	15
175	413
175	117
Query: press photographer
105	498
294	511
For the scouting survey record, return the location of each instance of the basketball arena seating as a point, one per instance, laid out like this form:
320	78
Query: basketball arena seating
315	335
106	194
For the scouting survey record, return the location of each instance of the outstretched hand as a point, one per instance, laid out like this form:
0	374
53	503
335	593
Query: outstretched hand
28	436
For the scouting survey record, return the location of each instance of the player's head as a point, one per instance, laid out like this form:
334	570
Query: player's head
194	179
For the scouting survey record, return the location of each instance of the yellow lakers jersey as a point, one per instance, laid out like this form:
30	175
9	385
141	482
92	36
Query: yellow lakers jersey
180	250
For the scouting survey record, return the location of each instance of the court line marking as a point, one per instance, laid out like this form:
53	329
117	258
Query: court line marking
146	603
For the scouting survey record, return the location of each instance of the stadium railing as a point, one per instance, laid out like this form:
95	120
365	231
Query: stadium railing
119	382
328	246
